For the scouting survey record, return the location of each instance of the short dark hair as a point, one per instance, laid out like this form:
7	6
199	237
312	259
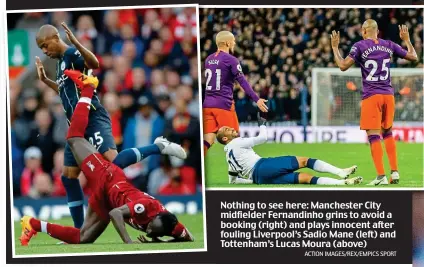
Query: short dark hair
219	136
168	221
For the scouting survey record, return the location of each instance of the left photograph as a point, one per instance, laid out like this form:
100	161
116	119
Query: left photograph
104	131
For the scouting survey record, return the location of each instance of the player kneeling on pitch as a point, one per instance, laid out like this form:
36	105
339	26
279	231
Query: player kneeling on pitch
113	197
244	162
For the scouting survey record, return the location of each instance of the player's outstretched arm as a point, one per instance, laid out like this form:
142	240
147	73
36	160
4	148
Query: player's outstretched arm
343	63
234	179
404	35
90	59
261	138
43	77
117	216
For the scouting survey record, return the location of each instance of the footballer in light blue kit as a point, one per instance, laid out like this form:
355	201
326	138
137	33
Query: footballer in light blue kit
247	167
99	130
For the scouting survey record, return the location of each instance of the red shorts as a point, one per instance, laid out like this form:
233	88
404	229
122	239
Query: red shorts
377	112
101	177
215	118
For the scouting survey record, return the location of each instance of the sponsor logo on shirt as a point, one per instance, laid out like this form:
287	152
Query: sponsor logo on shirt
90	165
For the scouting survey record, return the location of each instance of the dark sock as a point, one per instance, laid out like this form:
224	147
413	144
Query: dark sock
75	200
130	156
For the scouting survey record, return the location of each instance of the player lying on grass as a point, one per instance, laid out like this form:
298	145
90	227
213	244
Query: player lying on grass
244	162
373	55
113	197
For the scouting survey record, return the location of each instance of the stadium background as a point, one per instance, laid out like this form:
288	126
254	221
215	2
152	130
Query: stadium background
148	80
279	48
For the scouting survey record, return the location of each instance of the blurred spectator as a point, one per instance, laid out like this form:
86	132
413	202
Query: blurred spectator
42	137
279	47
32	157
159	176
142	64
184	129
42	186
175	186
31	20
141	130
111	104
25	122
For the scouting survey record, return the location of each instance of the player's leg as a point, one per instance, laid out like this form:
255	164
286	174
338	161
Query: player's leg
322	166
210	127
71	183
389	141
93	227
371	117
306	178
161	145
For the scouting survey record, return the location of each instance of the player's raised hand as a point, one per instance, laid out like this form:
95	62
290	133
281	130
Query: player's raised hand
335	39
40	69
404	33
69	34
262	118
262	105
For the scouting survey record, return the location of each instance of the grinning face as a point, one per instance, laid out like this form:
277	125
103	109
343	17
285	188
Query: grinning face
50	46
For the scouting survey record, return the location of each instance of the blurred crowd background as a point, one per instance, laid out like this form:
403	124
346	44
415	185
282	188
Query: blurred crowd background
279	47
148	83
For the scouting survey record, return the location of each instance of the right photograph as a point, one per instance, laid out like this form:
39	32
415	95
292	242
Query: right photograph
296	97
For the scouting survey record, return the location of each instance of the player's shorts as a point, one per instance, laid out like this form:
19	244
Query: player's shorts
101	176
377	111
98	133
215	118
279	170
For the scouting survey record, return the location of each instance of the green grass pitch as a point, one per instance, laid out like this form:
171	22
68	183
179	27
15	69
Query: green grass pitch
109	241
410	161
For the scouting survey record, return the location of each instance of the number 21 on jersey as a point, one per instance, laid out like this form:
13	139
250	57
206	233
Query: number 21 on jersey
209	74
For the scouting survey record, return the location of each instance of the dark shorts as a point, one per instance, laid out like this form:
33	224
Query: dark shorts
98	133
279	170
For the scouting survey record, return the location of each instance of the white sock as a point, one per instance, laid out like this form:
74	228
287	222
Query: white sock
43	226
326	180
85	100
322	166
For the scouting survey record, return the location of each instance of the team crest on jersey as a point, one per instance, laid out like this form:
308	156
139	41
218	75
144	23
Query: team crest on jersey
353	49
139	208
90	165
63	66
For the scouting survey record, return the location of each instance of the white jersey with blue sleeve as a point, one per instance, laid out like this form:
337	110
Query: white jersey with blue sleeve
241	157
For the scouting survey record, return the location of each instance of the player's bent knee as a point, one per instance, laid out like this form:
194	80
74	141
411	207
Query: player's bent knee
305	178
303	161
111	154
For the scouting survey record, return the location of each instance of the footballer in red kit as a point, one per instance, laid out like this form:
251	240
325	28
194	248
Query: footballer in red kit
113	198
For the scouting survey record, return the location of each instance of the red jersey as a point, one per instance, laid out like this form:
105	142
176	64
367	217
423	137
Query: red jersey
110	189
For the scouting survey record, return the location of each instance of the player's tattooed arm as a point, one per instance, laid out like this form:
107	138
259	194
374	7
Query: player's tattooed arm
404	35
117	216
90	59
43	77
343	63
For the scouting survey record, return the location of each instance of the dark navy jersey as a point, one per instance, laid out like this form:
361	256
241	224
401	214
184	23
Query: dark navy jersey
68	91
